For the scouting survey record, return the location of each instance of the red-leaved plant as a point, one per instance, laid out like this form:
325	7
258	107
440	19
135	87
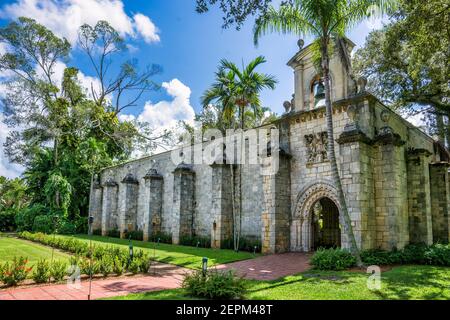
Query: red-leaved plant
15	272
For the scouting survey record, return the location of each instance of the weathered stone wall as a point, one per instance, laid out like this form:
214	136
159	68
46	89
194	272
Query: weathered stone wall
123	206
277	210
96	199
419	197
153	191
394	177
440	197
222	211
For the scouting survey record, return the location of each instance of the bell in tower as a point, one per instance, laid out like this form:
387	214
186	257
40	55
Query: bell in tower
309	92
319	93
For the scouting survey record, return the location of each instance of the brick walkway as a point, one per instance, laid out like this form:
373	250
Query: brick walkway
165	277
270	267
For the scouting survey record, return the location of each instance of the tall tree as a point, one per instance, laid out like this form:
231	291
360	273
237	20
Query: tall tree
407	63
235	90
32	90
123	89
50	115
103	46
325	20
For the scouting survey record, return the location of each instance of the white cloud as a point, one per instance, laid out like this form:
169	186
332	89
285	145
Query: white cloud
146	28
166	114
126	117
64	17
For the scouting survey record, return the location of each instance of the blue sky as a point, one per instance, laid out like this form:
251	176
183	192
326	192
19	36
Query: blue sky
187	45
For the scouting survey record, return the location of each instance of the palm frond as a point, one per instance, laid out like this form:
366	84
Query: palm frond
287	19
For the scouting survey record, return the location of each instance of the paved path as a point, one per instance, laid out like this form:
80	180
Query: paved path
270	267
165	277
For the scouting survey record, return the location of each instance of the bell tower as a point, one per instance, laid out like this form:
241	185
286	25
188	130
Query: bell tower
309	92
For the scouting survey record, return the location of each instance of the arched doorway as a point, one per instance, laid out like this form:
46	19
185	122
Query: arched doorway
322	228
325	227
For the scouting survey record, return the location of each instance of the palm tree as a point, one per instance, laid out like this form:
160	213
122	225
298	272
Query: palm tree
248	85
237	90
327	21
222	93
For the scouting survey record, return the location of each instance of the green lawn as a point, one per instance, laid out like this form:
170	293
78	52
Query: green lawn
11	247
405	283
189	257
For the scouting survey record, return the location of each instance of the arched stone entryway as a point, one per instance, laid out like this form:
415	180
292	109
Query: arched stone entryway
325	226
309	227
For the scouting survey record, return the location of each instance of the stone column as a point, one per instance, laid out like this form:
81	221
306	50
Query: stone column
277	206
183	202
153	214
356	165
391	201
96	206
222	228
128	205
299	96
109	204
440	206
419	200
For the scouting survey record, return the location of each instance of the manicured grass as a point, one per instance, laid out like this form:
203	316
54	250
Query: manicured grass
189	257
11	247
404	283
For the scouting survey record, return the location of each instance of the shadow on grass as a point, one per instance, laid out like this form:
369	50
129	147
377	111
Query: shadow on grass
171	294
310	278
405	283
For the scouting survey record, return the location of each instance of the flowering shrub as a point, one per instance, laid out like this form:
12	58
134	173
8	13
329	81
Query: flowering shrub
13	273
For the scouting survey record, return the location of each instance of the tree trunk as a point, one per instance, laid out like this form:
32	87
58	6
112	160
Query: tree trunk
90	200
332	155
56	166
233	204
447	131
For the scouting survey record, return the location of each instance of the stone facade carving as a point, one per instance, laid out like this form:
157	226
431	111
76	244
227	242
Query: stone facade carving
316	146
395	180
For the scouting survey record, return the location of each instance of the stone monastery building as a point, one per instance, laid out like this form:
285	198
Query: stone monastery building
395	179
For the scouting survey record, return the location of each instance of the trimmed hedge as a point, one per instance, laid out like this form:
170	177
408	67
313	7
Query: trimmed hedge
106	259
333	259
135	235
161	237
196	241
339	259
114	233
245	244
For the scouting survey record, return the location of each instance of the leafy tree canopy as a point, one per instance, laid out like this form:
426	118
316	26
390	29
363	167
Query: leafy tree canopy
407	63
61	132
